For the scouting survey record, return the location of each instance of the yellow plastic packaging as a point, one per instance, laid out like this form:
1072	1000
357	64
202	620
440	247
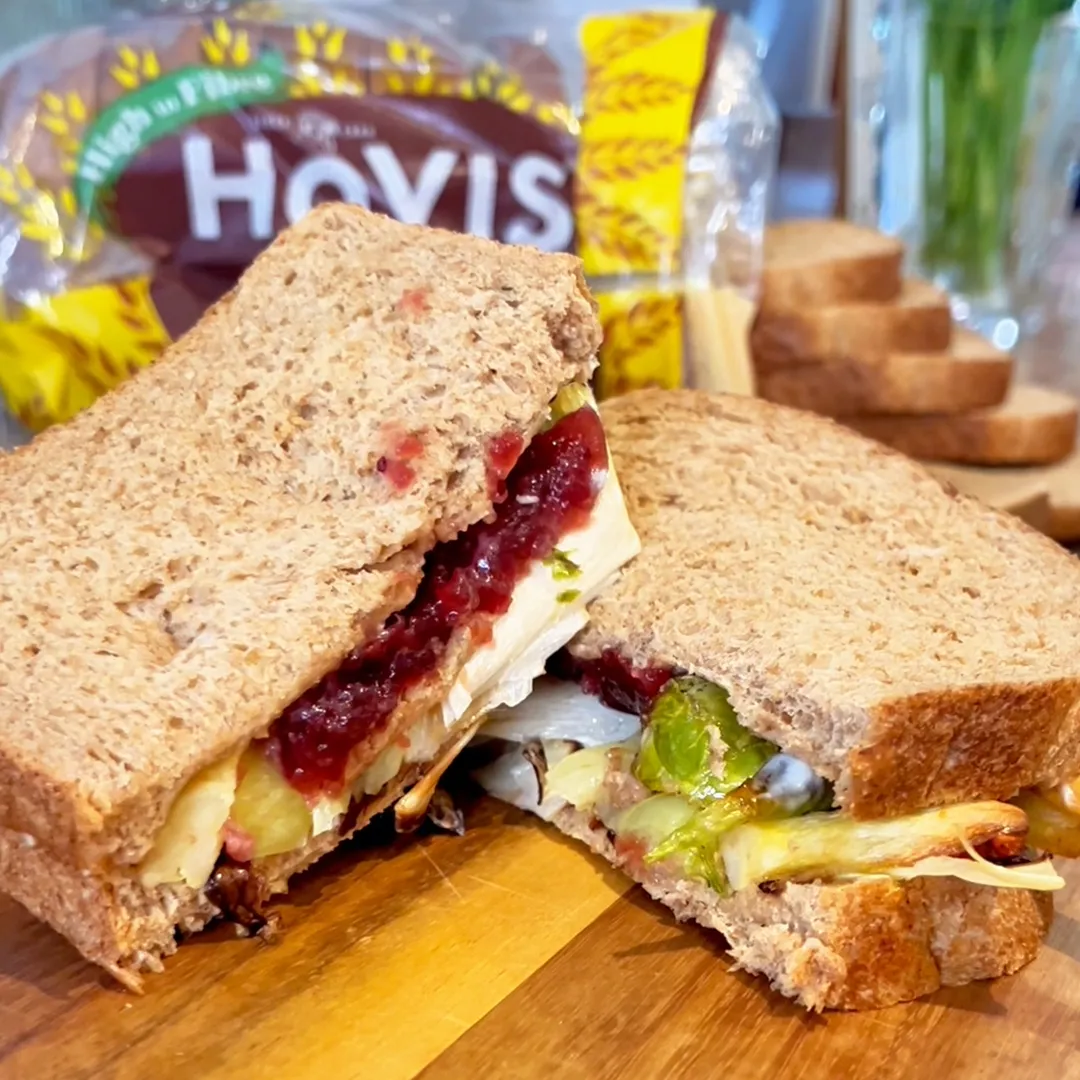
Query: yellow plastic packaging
58	356
677	150
144	163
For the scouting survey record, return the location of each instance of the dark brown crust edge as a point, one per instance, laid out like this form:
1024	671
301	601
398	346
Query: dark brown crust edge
941	747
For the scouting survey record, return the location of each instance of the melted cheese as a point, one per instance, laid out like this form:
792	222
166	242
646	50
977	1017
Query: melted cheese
546	611
978	871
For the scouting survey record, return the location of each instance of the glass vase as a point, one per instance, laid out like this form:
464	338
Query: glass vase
981	116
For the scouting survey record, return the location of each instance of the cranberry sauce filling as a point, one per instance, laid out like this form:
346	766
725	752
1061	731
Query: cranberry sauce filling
614	680
549	491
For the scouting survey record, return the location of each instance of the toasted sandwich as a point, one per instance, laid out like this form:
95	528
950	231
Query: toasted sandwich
270	586
831	710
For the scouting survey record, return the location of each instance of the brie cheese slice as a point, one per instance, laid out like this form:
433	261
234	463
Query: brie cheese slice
547	609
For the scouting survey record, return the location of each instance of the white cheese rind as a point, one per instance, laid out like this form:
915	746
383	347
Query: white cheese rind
1040	876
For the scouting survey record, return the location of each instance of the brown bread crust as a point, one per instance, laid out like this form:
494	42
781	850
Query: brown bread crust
189	555
814	263
1033	426
918	320
856	945
970	375
912	645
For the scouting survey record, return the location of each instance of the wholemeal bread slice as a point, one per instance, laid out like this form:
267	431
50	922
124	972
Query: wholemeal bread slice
913	646
188	556
918	320
971	374
855	945
1033	426
813	263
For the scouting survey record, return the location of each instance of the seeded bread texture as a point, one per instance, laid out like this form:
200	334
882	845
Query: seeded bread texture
914	646
1033	426
185	558
813	263
857	945
918	320
970	374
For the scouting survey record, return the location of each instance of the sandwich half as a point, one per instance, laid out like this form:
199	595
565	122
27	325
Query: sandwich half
271	585
831	710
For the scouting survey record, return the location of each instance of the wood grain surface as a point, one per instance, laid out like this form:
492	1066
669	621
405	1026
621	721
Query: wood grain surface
510	953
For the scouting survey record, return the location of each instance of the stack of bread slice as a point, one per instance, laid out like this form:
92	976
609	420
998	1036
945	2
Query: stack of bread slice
841	331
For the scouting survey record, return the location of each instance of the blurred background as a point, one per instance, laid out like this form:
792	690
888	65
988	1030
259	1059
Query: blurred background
953	125
836	70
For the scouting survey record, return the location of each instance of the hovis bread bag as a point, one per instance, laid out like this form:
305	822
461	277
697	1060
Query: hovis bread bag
144	163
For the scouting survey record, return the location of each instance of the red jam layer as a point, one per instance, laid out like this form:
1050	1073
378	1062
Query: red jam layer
614	680
550	490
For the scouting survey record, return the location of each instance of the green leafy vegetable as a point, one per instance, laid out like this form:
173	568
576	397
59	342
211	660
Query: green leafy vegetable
977	63
654	819
697	841
568	596
579	777
782	788
695	747
562	567
694	744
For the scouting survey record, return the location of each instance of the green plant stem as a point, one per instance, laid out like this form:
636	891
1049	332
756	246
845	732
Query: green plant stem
978	59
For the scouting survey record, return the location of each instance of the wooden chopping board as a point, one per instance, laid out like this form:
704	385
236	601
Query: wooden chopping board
509	953
1047	497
